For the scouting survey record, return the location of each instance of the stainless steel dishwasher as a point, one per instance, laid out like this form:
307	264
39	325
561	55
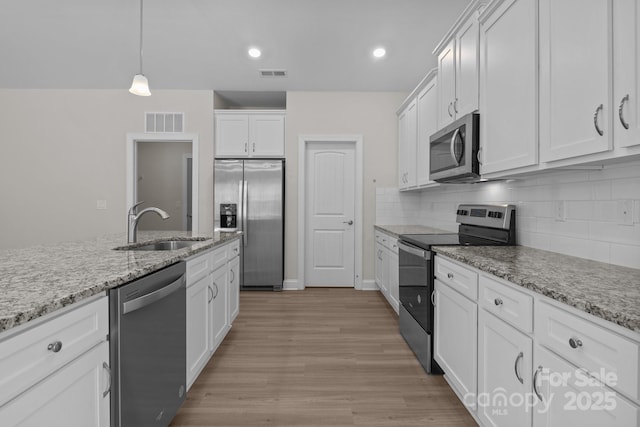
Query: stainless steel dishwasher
148	348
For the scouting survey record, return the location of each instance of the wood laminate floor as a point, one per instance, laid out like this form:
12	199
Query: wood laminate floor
318	357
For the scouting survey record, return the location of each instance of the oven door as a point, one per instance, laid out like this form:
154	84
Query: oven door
416	283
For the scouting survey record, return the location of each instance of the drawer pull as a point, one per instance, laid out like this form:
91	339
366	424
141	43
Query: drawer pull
515	367
535	383
106	367
575	343
497	301
55	346
450	275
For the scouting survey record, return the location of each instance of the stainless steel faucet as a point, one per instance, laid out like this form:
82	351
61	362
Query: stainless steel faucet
132	226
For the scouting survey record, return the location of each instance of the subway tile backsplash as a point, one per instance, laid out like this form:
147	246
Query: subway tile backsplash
575	212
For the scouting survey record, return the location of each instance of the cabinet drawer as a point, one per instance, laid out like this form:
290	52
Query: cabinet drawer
25	358
457	277
219	258
198	267
591	347
233	249
506	303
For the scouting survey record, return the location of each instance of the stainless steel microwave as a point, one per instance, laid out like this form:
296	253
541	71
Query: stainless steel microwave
454	151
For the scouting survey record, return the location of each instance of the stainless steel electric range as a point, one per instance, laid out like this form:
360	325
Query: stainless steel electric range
480	225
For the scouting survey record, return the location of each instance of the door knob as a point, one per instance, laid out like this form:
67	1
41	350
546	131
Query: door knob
348	222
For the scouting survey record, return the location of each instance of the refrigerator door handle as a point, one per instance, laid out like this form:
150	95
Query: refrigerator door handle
245	208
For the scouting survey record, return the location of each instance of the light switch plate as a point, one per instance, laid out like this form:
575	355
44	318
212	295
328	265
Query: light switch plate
101	204
625	212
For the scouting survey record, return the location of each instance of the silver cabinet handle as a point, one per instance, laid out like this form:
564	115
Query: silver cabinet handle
55	346
535	383
106	367
455	106
450	275
245	147
433	297
515	367
595	119
479	156
497	301
233	276
254	147
624	123
575	342
217	290
351	223
449	109
452	149
210	294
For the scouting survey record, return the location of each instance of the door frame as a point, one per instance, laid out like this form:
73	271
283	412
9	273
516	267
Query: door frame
132	168
356	141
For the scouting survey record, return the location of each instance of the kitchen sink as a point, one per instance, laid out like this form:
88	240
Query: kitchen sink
163	245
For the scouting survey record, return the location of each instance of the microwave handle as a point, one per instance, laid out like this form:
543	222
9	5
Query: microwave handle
452	147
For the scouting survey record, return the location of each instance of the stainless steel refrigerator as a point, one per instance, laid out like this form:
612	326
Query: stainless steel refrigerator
249	196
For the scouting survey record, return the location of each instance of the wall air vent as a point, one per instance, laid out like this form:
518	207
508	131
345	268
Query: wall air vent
273	73
164	122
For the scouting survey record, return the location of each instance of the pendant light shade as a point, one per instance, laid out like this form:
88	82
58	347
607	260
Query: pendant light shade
140	85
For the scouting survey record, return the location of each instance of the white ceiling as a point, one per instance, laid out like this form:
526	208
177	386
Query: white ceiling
202	44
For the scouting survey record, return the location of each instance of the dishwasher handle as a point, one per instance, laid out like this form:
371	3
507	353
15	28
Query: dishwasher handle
152	297
414	250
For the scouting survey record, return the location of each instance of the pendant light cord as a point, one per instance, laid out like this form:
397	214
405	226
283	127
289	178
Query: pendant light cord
141	37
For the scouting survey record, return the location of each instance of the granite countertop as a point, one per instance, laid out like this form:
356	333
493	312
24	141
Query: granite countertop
397	230
604	290
38	280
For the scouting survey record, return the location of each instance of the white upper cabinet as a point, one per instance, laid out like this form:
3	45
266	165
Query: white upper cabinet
626	73
575	73
508	86
427	126
458	61
249	134
407	141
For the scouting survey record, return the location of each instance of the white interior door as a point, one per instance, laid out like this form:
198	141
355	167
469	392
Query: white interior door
330	214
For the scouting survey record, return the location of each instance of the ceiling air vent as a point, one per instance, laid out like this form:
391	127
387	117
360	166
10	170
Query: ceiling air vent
273	73
164	122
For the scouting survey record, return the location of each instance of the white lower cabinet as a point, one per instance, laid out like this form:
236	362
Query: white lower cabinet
234	288
57	372
568	397
456	341
218	307
198	326
504	373
74	396
387	268
567	368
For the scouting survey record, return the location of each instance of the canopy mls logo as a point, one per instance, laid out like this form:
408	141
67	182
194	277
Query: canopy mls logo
579	391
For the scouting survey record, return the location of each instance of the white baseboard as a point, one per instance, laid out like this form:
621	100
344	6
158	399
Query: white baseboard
369	285
292	285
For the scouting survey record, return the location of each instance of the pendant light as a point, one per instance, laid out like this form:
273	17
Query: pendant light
140	85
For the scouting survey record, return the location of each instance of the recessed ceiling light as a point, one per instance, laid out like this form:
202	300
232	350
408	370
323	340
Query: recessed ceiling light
254	52
379	52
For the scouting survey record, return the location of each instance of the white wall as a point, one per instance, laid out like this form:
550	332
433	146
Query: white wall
62	150
590	229
370	114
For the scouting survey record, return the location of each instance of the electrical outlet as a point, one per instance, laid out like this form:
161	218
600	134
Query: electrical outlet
560	211
625	212
101	204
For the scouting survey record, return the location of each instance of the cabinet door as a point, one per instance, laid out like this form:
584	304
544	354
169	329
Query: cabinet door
218	307
73	396
380	269
446	84
266	135
574	78
234	288
427	126
505	359
232	135
456	341
393	280
509	87
570	399
198	298
402	149
626	73
407	146
467	43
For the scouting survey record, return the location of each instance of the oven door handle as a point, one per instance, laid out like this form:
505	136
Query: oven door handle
152	297
414	251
